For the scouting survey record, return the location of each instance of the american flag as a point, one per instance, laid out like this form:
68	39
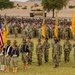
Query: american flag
1	39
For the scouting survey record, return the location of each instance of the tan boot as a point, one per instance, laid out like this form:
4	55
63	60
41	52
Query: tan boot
13	70
24	65
8	67
16	69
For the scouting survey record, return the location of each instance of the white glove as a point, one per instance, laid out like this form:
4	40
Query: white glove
27	54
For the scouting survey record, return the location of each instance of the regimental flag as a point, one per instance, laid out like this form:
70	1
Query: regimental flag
44	30
73	24
5	32
56	26
1	38
44	26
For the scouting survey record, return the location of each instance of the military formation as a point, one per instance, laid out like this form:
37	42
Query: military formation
10	53
30	28
33	27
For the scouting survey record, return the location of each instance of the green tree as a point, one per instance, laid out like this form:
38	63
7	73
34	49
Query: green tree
4	4
52	5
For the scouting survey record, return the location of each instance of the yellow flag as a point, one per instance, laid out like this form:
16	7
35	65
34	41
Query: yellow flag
73	26
56	26
43	30
5	32
44	26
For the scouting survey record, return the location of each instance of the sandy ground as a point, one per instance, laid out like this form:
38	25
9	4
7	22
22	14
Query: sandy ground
65	12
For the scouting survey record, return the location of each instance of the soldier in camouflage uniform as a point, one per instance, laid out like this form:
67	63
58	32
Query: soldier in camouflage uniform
74	49
16	30
23	33
52	43
67	50
2	59
47	32
31	48
39	52
60	47
56	53
31	31
46	46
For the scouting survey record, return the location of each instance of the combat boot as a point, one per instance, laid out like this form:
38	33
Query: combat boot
16	69
13	70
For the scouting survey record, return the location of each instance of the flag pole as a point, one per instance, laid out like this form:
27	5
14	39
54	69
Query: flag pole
56	25
43	17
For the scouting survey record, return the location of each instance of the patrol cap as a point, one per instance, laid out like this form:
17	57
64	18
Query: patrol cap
15	41
39	40
67	38
56	40
46	38
29	37
54	36
8	41
24	41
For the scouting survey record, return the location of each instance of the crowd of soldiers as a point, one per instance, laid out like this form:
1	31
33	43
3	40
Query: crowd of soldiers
33	27
30	28
12	52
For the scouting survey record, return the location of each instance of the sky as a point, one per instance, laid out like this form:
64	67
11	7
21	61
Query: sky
19	0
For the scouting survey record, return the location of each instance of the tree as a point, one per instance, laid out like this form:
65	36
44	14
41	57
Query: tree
52	5
4	4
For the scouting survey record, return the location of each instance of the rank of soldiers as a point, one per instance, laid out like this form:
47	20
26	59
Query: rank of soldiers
10	53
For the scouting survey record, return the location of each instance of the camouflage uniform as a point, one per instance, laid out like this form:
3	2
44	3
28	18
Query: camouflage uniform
2	59
31	48
23	33
39	33
52	43
74	50
39	53
16	31
67	49
56	53
47	32
60	47
46	47
15	55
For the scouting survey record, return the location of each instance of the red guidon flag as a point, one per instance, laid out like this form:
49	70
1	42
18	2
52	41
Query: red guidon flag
1	39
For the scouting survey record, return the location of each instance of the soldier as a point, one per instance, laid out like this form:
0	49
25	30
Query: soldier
39	33
15	42
56	53
31	48
14	55
60	52
24	51
46	46
2	59
16	31
8	51
39	52
47	32
67	50
23	32
53	42
74	49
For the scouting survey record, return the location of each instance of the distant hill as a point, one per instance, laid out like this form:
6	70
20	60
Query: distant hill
65	12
